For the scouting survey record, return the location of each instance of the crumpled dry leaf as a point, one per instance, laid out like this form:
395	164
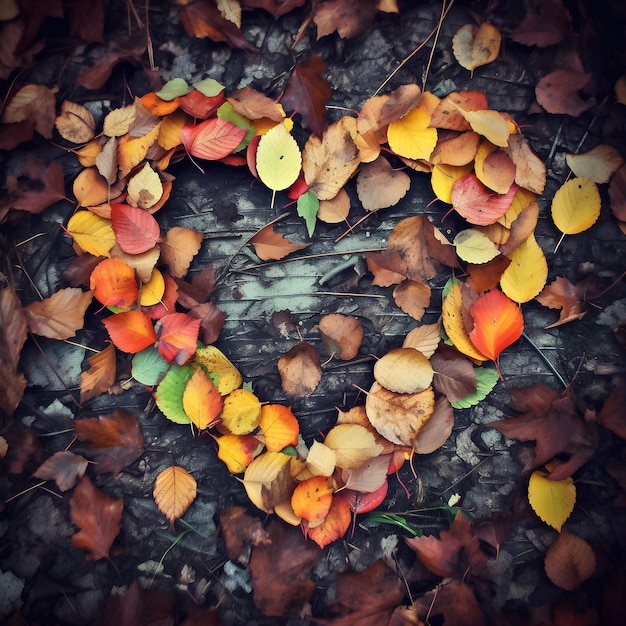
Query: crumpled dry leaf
300	370
341	335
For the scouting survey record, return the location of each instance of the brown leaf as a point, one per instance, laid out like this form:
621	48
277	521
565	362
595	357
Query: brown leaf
530	170
35	103
307	93
13	328
455	378
557	92
61	315
241	530
174	491
179	248
341	335
413	297
387	267
211	321
114	441
561	294
453	603
272	246
255	105
522	227
300	370
617	193
570	561
48	187
447	114
75	123
198	291
141	607
275	7
424	338
65	468
100	375
437	429
347	17
546	28
612	414
486	276
98	516
421	247
380	186
86	19
12	386
24	450
280	571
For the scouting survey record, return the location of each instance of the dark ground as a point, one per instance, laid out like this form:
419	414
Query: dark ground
54	583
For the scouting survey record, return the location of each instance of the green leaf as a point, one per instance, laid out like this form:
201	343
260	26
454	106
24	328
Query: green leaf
169	393
486	380
173	89
209	87
247	386
308	205
148	366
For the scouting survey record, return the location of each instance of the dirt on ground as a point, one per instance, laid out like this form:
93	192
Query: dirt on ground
189	572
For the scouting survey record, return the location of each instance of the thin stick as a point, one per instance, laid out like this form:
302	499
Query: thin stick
545	360
432	50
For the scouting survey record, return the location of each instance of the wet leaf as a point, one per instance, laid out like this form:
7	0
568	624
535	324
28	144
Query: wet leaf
279	427
202	401
552	500
100	376
130	331
60	315
352	444
272	246
300	370
342	335
114	283
576	206
174	491
242	412
97	516
475	46
570	561
278	158
403	370
65	468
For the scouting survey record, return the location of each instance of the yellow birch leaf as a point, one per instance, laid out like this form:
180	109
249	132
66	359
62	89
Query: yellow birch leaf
91	233
145	188
169	131
260	474
490	124
352	444
599	164
241	413
118	121
474	247
216	362
411	137
132	151
443	178
552	500
174	491
153	290
576	206
527	273
278	158
202	401
473	47
90	189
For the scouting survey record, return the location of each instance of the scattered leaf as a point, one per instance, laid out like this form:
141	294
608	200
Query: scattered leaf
598	164
527	273
272	246
475	46
65	468
215	361
403	370
552	500
486	380
75	123
557	92
242	412
100	376
352	444
174	491
576	206
179	248
92	233
114	283
130	331
169	393
279	427
570	561
341	335
300	370
380	186
60	315
144	188
149	367
278	158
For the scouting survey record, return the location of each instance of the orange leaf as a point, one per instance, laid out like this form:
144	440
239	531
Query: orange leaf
178	249
100	375
280	427
178	334
114	283
135	229
272	246
174	491
498	322
130	331
60	315
312	498
237	451
334	525
201	400
153	104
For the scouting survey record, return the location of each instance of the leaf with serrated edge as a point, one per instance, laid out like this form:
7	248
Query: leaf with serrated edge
174	491
552	500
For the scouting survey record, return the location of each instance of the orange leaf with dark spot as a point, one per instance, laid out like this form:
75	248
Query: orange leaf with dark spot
135	229
130	331
312	498
280	427
178	335
114	283
98	516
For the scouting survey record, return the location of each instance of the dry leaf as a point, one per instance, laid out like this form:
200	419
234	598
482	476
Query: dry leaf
558	92
75	123
341	335
570	561
424	338
475	46
272	246
174	491
65	468
352	445
598	164
403	370
35	103
380	186
100	376
300	370
60	315
179	248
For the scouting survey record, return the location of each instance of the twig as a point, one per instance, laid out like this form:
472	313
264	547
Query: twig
545	359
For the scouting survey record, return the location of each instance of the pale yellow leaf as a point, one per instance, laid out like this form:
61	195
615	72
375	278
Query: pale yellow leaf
320	460
424	338
474	247
352	444
403	370
260	474
145	188
490	124
599	164
216	362
475	46
118	121
75	123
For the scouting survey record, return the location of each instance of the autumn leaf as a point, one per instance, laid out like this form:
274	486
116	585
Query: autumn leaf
65	468
100	376
177	337
527	273
312	498
92	233
216	362
557	92
237	451
278	158
114	441
60	315
174	491
144	188
544	28
35	103
262	475
279	426
455	378
272	246
178	249
475	46
169	393
352	444
494	167
403	370
307	92
50	186
97	516
380	186
552	500
437	429
570	561
576	206
474	246
114	283
448	112
387	267
241	413
75	123
530	170
562	294
444	177
411	136
212	139
135	229
300	370
130	331
424	338
202	401
478	204
598	164
334	526
490	124
341	335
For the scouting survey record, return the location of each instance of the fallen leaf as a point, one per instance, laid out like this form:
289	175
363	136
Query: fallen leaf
93	234
216	362
478	204
90	188
342	335
447	114
474	246
562	294
455	148
312	498
494	168
387	267
557	92
177	337
174	491
545	28
263	474
347	18
65	468
278	158
369	476
153	293
149	367
570	561
424	338
334	526
300	370
454	602
611	415
100	376
335	210
60	315
144	188
320	460
114	283
475	46
212	139
380	186
75	123
617	194
598	164
241	413
486	380
444	177
240	531
552	500
411	136
437	429
202	401
50	186
117	122
455	378
279	426
114	441
352	444
576	206
403	370
490	124
272	246
130	331
97	516
32	102
527	273
178	249
169	393
530	170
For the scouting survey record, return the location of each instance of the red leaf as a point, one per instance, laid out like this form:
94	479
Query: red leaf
98	516
364	502
135	229
198	105
130	331
50	176
213	139
478	204
178	335
307	93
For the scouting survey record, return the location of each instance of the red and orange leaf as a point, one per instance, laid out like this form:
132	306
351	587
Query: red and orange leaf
202	401
478	204
213	139
178	335
498	322
364	502
100	375
130	331
114	283
237	451
334	525
280	427
135	229
312	498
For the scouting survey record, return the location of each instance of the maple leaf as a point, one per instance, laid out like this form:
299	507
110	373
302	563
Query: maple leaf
47	186
114	441
98	516
550	419
307	93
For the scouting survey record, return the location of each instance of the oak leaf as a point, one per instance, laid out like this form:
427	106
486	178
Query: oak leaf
300	370
60	315
98	516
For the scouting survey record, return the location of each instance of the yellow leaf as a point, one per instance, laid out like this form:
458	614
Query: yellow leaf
92	234
87	154
241	413
473	47
474	247
260	474
202	401
443	178
352	444
169	131
552	500
238	451
321	460
216	362
599	164
490	124
576	206
521	200
411	137
527	273
145	188
132	151
404	370
174	491
153	290
278	158
90	189
118	121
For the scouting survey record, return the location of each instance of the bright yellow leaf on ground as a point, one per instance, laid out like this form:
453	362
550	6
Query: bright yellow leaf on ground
443	178
92	234
552	500
490	124
576	206
216	362
474	247
527	273
202	401
153	290
242	412
475	46
312	498
278	158
174	491
411	137
237	451
145	188
352	444
280	427
169	131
